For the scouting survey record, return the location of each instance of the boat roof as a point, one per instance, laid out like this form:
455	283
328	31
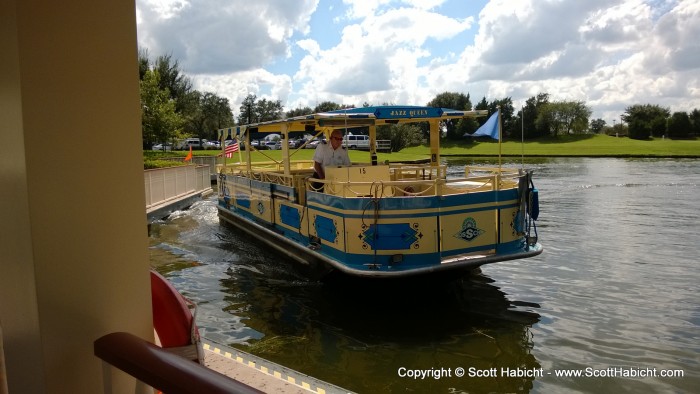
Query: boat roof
357	117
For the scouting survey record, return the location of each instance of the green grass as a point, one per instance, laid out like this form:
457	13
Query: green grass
580	145
569	146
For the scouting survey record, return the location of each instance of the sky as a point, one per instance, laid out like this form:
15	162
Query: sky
609	54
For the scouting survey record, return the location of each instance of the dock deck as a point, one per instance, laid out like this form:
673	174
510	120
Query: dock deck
261	374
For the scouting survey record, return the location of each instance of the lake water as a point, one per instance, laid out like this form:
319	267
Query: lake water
614	296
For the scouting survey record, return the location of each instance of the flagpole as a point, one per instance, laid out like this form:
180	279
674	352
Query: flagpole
223	149
240	158
500	131
522	136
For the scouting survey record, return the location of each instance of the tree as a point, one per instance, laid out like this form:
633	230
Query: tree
144	62
327	106
483	104
256	111
458	101
695	122
566	117
247	110
532	127
210	114
174	81
597	126
299	112
159	121
267	110
646	120
679	125
509	125
401	135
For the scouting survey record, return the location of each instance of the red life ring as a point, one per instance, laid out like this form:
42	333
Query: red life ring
172	319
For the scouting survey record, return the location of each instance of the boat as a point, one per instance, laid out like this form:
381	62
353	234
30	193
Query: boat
378	219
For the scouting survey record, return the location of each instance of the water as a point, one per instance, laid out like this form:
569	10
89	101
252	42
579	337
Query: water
616	287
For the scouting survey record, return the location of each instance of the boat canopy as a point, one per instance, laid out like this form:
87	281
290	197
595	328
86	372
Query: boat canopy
355	117
350	118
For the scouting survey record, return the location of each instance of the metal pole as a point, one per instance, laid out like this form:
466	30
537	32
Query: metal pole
522	136
499	138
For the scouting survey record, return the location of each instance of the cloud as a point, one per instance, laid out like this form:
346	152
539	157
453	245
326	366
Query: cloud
236	86
376	59
609	53
676	46
221	36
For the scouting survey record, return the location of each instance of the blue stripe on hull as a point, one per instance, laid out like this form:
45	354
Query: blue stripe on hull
389	204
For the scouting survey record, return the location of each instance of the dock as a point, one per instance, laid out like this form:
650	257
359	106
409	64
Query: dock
262	374
175	188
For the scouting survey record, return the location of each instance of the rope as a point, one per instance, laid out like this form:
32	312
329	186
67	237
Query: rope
375	200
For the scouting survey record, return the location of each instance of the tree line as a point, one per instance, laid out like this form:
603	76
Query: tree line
172	110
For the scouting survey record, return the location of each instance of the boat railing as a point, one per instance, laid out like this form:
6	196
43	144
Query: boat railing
504	172
402	180
417	171
265	166
410	188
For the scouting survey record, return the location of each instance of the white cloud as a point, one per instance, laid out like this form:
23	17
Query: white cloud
608	53
376	59
237	86
221	36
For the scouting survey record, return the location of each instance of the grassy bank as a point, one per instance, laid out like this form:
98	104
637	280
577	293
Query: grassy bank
581	145
569	146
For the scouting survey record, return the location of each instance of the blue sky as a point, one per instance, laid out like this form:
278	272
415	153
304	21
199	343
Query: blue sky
608	53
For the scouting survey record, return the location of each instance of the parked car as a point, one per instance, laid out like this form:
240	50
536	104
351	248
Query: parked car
273	145
296	143
195	143
356	141
313	144
209	145
259	145
162	147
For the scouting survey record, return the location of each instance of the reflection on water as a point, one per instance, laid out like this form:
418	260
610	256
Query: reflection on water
358	336
615	286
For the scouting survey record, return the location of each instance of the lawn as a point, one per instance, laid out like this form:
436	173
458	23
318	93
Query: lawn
580	145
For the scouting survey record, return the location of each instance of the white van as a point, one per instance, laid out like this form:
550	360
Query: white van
356	141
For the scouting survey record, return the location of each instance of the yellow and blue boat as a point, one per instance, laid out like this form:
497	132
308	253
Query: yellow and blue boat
378	220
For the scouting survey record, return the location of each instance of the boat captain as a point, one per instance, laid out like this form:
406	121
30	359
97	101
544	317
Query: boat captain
333	154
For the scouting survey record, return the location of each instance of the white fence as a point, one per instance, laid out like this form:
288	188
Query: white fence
164	185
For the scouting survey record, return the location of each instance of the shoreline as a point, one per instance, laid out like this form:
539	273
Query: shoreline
619	156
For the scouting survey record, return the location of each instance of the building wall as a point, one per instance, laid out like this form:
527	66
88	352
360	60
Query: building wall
74	262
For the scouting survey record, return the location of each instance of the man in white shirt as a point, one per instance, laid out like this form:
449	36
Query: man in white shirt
333	154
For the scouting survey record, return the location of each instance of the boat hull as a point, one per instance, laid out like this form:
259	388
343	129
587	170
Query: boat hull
309	257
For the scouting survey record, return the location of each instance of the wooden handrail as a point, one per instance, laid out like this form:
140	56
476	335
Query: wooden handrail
161	370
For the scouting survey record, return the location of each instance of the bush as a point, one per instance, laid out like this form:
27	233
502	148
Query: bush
149	164
401	135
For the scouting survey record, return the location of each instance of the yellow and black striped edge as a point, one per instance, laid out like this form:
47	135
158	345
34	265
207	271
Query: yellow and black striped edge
275	370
